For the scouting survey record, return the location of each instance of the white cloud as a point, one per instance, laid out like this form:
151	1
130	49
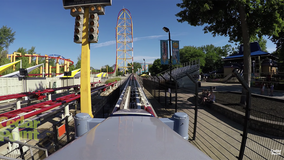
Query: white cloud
147	37
270	50
148	59
104	44
109	43
220	42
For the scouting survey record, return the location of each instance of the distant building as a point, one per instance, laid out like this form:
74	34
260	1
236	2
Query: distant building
263	63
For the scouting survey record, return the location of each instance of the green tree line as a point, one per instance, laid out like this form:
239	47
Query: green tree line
210	56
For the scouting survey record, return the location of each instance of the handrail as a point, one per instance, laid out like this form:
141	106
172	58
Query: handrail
8	158
183	65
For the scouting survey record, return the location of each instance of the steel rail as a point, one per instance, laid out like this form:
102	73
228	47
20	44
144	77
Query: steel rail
11	117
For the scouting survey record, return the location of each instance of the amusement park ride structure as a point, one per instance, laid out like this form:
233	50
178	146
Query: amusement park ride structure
47	68
124	41
124	50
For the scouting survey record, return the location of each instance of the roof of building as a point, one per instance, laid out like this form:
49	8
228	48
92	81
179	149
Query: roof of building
254	48
256	53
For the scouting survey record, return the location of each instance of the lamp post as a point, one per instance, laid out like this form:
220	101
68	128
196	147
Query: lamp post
168	30
144	66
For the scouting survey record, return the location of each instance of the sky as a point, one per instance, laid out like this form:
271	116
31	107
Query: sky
47	26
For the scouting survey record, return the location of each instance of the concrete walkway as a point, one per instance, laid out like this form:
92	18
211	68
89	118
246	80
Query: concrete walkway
218	136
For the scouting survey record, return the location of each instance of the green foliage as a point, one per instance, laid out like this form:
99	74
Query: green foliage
157	67
213	57
3	57
237	19
112	80
223	18
107	68
136	65
119	73
4	60
280	54
6	37
190	53
71	68
230	50
78	64
210	58
279	41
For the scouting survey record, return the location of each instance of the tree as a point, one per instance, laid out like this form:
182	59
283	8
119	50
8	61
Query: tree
237	19
279	41
157	67
6	37
213	57
110	69
136	65
257	18
190	53
71	68
78	64
3	57
4	60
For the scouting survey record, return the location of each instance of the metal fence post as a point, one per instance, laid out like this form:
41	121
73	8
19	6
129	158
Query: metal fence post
32	155
154	82
67	129
55	137
159	89
247	114
176	98
165	97
165	91
196	102
21	151
175	91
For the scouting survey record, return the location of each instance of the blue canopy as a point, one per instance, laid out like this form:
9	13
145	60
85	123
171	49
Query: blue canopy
256	53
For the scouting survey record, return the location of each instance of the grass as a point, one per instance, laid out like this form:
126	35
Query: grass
112	80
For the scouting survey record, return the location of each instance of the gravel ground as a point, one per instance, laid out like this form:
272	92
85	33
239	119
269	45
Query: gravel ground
260	107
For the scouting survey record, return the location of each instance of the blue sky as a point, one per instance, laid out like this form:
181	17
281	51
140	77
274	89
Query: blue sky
47	26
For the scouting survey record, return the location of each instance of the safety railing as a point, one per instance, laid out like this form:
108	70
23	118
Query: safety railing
62	131
25	151
180	72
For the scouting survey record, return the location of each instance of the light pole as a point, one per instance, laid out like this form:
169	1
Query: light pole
168	30
144	66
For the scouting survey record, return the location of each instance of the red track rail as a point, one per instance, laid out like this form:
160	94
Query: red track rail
12	117
110	84
39	94
35	109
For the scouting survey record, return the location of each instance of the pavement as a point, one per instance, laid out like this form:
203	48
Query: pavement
217	136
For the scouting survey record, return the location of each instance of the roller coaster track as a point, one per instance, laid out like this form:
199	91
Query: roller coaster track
133	98
11	117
